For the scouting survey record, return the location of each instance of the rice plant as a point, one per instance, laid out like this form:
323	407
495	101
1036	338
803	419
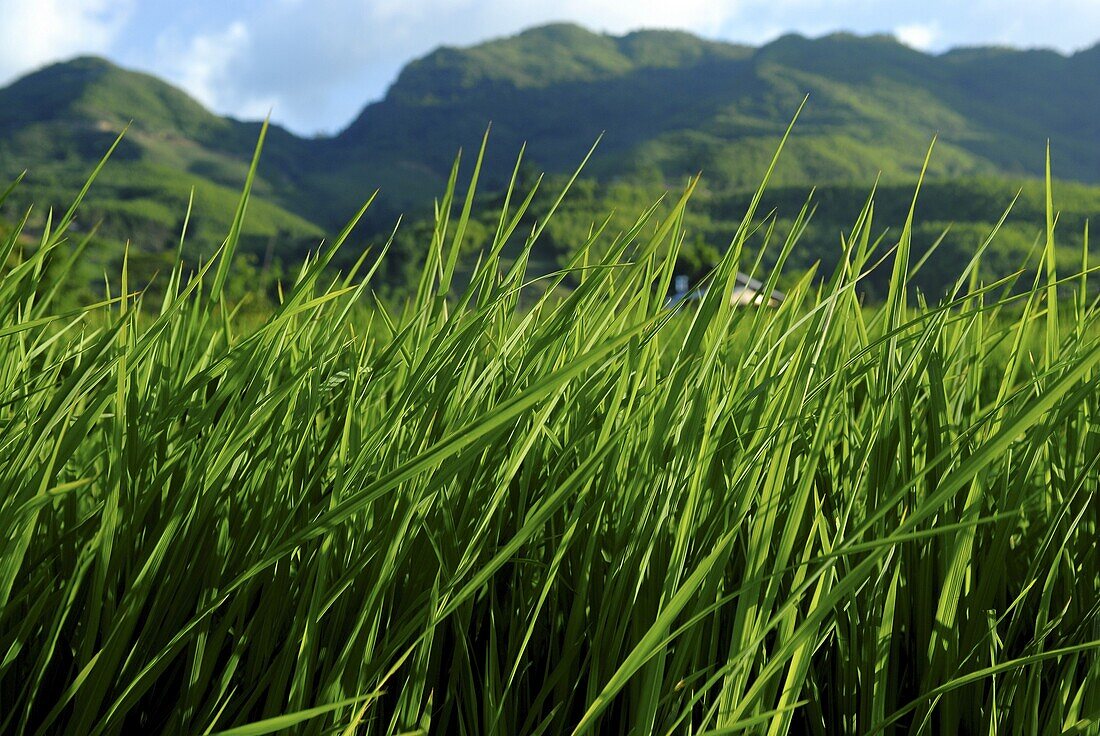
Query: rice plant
510	509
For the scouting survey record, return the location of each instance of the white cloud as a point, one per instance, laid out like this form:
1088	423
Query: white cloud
920	36
205	65
35	32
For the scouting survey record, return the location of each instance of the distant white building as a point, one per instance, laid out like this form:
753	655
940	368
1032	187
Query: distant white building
746	291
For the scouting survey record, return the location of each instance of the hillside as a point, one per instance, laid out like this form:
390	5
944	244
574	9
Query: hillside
58	122
668	103
672	104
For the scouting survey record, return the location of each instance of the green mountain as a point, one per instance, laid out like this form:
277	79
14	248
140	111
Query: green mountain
668	104
672	104
58	122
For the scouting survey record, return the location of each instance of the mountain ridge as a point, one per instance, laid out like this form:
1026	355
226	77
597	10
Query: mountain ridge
540	32
668	103
735	94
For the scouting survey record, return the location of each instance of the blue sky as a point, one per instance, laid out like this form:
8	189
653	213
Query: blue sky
316	62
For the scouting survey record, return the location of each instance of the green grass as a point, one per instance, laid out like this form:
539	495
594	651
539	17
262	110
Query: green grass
570	513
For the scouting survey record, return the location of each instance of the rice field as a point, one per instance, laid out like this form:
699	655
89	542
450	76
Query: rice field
510	509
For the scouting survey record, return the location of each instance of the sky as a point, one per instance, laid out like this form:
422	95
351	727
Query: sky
316	63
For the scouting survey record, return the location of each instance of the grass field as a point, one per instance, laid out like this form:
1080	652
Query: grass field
588	514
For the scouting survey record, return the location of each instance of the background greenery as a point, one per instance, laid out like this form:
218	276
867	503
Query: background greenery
668	105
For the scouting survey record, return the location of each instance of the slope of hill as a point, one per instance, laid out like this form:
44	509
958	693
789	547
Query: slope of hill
668	103
58	122
672	104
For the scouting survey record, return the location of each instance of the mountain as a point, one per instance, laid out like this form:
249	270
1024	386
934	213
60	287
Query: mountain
59	121
668	104
672	104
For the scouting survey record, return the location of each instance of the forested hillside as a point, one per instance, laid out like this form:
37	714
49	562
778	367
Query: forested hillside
667	104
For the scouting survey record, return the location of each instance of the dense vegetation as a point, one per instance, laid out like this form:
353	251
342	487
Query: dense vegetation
669	105
587	515
955	217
